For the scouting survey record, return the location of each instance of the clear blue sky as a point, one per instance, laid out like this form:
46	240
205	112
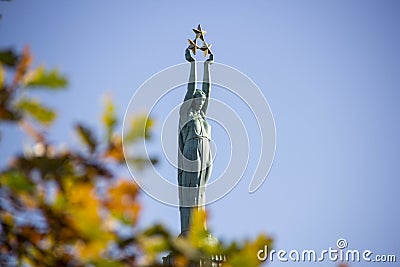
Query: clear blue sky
329	70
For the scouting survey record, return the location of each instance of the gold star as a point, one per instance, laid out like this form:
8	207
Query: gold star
193	46
199	33
206	48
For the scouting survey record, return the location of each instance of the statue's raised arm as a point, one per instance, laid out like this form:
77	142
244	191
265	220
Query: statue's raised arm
191	84
207	81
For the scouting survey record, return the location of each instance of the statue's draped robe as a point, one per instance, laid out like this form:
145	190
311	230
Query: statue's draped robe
194	162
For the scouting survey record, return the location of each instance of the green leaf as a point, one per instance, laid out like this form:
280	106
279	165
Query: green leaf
43	78
17	181
35	109
86	137
8	57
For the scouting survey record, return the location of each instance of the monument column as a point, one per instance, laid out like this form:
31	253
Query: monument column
194	153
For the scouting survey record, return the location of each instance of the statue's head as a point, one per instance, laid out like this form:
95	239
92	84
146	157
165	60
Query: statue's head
198	99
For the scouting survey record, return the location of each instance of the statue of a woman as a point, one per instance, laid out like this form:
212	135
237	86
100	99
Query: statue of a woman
194	155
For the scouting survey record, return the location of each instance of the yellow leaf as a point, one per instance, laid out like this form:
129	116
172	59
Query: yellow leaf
23	65
7	218
84	207
29	200
2	75
92	250
198	232
114	150
109	117
247	256
121	201
181	261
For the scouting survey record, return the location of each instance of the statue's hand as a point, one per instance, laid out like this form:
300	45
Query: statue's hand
210	59
188	56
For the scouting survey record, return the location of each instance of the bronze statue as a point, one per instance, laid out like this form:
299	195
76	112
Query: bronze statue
194	155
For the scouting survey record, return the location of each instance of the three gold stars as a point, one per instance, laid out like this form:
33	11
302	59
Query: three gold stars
206	48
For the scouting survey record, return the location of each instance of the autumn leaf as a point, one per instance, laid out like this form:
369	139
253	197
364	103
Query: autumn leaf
114	149
198	231
23	65
247	255
2	76
199	237
121	201
84	207
109	117
108	263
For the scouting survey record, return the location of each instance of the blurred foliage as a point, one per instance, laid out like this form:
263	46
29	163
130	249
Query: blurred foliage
42	78
8	57
34	108
68	206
